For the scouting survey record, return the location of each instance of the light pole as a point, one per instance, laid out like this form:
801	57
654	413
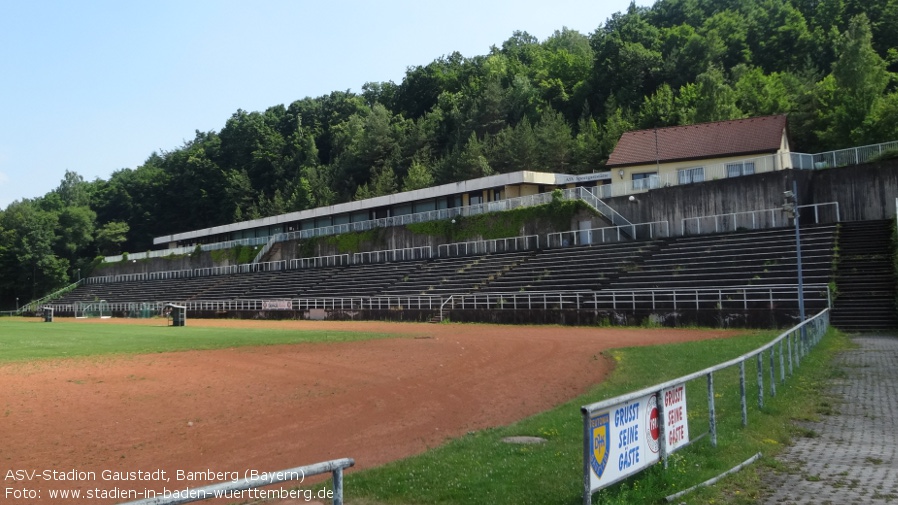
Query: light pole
790	206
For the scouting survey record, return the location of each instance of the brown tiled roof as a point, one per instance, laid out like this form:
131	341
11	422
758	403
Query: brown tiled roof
758	135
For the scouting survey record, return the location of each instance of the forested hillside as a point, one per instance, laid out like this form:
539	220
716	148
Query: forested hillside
557	105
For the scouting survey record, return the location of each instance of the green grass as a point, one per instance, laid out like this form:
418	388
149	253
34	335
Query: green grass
480	469
22	340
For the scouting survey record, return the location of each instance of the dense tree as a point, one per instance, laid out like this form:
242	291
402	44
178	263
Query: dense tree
858	80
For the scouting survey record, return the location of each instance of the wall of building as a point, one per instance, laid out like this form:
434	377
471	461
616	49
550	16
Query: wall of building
864	192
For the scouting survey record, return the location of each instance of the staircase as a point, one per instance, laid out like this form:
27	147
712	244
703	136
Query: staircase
865	279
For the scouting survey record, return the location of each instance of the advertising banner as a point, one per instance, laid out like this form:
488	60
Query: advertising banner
625	437
277	304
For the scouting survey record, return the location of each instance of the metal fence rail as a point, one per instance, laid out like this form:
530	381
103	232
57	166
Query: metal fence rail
391	255
789	347
230	489
826	212
609	234
499	245
721	298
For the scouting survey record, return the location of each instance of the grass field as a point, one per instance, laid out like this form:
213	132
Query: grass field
28	339
480	469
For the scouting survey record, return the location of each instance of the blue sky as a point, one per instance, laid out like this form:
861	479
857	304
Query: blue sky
97	86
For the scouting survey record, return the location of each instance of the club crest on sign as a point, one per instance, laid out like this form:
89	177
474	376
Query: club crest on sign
600	449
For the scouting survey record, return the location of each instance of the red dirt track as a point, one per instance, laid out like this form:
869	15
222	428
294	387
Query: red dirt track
276	407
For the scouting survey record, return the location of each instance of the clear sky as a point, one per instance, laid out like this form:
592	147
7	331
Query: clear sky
95	86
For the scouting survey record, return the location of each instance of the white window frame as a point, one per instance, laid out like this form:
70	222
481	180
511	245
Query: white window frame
741	168
645	180
690	175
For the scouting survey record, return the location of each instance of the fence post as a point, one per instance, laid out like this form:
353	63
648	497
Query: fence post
789	346
760	381
338	486
742	393
772	374
712	414
782	365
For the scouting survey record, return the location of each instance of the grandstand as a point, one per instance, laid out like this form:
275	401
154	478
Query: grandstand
720	252
748	273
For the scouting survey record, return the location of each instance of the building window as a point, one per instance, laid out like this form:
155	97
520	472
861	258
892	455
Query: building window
646	180
740	169
690	175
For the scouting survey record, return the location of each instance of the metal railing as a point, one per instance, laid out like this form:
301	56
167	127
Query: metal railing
611	234
754	219
391	255
673	299
603	208
234	490
842	157
499	245
267	247
603	420
34	305
179	251
336	260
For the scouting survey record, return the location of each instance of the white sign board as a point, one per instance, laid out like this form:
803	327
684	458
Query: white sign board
676	429
625	438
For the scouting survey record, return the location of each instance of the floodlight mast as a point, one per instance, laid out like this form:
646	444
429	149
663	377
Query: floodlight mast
790	206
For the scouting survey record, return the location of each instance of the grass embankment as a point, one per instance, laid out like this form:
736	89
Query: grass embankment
480	469
22	340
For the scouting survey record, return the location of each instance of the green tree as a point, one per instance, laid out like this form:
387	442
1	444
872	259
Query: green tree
419	177
717	100
858	80
110	237
554	138
31	268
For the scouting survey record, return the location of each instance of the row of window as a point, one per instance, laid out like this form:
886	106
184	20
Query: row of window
650	180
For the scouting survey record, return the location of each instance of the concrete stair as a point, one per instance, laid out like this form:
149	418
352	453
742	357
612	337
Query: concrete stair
865	278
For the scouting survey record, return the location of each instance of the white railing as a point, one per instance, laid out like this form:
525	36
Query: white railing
391	255
590	198
670	299
499	245
842	157
337	260
755	219
267	247
608	235
180	251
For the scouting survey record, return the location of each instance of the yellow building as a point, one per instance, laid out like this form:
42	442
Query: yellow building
659	157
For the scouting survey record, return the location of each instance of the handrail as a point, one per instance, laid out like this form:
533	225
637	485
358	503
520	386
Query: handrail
614	216
267	247
755	216
228	490
31	306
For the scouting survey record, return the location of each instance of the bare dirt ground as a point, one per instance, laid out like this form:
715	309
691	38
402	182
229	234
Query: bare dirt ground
276	407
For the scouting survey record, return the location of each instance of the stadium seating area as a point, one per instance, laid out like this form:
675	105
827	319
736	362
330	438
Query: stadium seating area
747	258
